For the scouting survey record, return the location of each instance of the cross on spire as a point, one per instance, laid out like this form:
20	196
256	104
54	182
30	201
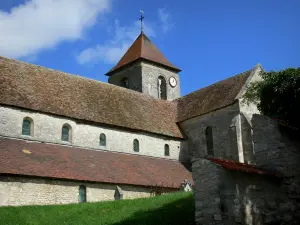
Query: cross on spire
141	19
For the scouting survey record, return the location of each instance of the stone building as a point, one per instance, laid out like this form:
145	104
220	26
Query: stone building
66	138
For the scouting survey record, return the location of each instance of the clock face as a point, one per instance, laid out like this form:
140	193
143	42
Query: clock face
173	81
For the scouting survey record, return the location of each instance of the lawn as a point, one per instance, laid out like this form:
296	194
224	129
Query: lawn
169	209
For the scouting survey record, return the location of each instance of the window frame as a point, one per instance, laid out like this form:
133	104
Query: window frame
167	150
102	142
68	126
25	119
136	145
82	194
162	88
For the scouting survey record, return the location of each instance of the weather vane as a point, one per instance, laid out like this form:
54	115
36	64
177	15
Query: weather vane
141	19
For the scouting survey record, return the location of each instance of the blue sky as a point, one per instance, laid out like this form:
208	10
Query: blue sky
209	40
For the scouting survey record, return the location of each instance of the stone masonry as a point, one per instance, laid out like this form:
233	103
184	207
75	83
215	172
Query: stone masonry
47	128
232	197
225	133
143	77
150	74
15	190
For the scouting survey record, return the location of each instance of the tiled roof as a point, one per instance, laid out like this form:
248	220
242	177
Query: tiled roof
143	48
49	91
243	167
55	161
210	98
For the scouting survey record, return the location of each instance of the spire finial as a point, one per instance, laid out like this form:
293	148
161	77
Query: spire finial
141	19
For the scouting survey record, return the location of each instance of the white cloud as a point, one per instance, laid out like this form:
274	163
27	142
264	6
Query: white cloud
41	24
114	49
165	19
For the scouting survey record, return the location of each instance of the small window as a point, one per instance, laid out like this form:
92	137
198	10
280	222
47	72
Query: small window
124	82
209	141
102	140
136	145
82	193
167	150
66	133
27	127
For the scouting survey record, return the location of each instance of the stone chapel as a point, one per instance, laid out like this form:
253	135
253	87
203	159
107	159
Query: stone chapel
66	139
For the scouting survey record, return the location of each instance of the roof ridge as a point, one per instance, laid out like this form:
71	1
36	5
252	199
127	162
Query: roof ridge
50	69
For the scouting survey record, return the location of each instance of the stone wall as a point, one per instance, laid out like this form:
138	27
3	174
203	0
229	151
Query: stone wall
230	197
16	190
143	77
208	179
227	197
225	125
150	74
47	128
276	147
132	73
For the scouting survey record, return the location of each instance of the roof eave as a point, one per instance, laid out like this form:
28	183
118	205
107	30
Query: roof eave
112	71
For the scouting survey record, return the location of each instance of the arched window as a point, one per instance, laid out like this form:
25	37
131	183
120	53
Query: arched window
27	126
162	87
66	133
136	145
209	141
102	140
167	150
82	193
124	82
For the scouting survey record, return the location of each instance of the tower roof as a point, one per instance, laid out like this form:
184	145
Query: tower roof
143	48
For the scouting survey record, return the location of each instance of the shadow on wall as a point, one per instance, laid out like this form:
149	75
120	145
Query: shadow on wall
184	155
175	213
247	199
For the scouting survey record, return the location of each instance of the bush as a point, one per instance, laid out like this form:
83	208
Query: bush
277	95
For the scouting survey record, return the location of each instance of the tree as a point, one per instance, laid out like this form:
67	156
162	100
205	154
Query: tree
277	95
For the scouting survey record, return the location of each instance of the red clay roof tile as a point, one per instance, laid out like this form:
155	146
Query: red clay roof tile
237	166
143	48
55	161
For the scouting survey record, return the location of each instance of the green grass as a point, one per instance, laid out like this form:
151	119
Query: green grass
169	209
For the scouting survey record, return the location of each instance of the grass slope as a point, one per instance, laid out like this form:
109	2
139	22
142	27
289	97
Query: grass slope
175	208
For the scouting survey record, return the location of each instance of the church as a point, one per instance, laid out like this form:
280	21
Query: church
68	139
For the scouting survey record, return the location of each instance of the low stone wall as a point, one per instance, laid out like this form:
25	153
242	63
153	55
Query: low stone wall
227	197
15	190
208	180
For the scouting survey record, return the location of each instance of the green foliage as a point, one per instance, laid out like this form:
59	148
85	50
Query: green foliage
277	95
172	209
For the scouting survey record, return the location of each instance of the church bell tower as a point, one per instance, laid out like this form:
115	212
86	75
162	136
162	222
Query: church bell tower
145	69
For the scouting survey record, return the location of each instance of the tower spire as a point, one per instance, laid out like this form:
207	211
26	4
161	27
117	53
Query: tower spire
141	19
